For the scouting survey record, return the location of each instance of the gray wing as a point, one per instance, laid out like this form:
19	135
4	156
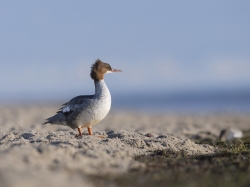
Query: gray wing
74	103
67	108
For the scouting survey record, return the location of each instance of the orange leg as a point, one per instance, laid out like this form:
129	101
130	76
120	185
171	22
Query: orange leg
80	131
90	130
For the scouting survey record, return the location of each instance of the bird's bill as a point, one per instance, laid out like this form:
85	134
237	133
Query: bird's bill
116	70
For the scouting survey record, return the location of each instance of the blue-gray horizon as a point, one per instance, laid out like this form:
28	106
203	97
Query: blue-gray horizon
185	102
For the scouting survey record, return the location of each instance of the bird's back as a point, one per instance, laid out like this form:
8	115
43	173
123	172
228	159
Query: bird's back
64	114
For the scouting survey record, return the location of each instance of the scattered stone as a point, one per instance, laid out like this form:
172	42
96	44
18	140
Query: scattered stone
27	135
162	136
150	135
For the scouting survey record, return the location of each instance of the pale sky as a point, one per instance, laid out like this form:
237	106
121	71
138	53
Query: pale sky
47	47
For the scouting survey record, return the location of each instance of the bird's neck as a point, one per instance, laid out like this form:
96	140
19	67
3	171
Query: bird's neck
100	87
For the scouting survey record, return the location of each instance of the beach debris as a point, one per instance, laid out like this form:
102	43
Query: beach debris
230	134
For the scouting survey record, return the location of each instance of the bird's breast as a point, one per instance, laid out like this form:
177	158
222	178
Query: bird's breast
96	111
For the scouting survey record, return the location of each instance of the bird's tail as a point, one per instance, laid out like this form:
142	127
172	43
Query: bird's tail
59	119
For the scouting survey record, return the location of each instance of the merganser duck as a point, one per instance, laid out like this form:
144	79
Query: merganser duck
87	110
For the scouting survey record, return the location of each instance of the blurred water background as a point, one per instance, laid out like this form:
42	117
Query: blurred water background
176	56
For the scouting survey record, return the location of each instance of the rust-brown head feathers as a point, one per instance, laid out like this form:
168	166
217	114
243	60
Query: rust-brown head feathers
98	69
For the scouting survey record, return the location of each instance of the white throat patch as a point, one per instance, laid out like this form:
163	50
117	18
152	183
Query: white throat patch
109	72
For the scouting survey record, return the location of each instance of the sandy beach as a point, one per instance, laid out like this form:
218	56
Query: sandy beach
32	154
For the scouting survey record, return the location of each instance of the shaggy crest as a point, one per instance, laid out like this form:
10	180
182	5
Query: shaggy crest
98	69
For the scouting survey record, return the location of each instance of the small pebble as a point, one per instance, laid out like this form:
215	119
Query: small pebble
149	135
